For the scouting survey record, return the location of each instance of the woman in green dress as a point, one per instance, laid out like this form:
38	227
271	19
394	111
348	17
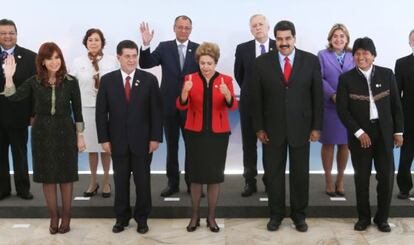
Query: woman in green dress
56	134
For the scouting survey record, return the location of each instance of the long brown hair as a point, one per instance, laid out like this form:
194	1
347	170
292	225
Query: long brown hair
46	51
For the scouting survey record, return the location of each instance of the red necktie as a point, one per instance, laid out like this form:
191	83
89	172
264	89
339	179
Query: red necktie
287	70
127	88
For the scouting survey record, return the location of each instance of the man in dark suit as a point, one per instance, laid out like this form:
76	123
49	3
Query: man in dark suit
369	106
13	127
287	107
176	58
246	53
404	73
129	126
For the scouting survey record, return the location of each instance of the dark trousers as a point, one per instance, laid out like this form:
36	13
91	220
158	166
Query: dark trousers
275	166
140	168
404	180
172	126
384	165
249	141
17	139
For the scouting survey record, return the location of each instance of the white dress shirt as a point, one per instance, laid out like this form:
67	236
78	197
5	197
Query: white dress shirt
259	49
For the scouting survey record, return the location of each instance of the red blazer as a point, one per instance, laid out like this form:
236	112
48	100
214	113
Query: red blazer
194	106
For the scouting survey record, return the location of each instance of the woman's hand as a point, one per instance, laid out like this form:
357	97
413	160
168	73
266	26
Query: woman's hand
225	90
9	70
188	85
81	143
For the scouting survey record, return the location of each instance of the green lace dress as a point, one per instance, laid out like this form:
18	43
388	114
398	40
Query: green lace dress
58	116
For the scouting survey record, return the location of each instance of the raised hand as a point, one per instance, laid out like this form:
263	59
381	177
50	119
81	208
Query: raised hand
225	90
146	34
188	84
9	66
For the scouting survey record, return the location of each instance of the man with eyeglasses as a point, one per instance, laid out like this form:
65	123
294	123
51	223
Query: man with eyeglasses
176	58
13	127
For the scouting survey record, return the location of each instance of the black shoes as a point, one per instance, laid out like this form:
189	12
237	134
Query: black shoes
91	194
301	226
193	228
248	190
25	195
213	228
403	195
107	194
119	227
273	224
330	194
383	227
142	227
362	225
169	190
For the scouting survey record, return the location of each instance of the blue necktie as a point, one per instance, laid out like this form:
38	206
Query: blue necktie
3	56
262	49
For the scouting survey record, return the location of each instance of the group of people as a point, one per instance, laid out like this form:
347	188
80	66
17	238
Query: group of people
289	97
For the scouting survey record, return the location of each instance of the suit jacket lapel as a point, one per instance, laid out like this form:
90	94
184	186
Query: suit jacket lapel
189	54
251	51
297	63
119	87
174	51
278	68
333	60
348	62
272	45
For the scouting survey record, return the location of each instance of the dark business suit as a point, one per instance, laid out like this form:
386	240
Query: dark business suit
353	107
129	127
404	73
287	114
243	66
14	120
166	55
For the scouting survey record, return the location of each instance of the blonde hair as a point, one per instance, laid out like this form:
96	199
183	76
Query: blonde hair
210	49
334	28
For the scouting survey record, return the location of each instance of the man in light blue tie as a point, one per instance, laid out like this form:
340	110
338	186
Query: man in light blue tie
177	59
246	53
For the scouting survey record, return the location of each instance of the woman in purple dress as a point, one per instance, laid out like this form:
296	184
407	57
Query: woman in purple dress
335	60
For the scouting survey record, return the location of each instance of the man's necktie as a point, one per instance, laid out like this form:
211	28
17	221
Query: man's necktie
3	56
181	54
262	49
127	88
287	70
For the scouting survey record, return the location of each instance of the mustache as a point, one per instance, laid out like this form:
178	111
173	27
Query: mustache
284	46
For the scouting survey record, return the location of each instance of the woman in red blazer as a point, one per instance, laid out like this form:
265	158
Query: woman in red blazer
207	96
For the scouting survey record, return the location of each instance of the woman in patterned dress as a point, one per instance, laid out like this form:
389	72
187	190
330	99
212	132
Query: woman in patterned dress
56	136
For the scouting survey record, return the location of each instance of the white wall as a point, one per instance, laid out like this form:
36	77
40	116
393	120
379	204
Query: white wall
224	22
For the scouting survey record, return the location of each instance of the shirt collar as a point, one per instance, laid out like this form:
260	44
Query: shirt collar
291	56
9	51
266	43
184	43
367	73
124	75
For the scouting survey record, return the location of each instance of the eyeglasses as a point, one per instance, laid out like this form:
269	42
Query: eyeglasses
183	28
7	33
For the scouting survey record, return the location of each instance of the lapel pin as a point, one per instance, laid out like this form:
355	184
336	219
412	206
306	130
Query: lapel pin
216	86
378	85
137	82
189	50
19	56
271	49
